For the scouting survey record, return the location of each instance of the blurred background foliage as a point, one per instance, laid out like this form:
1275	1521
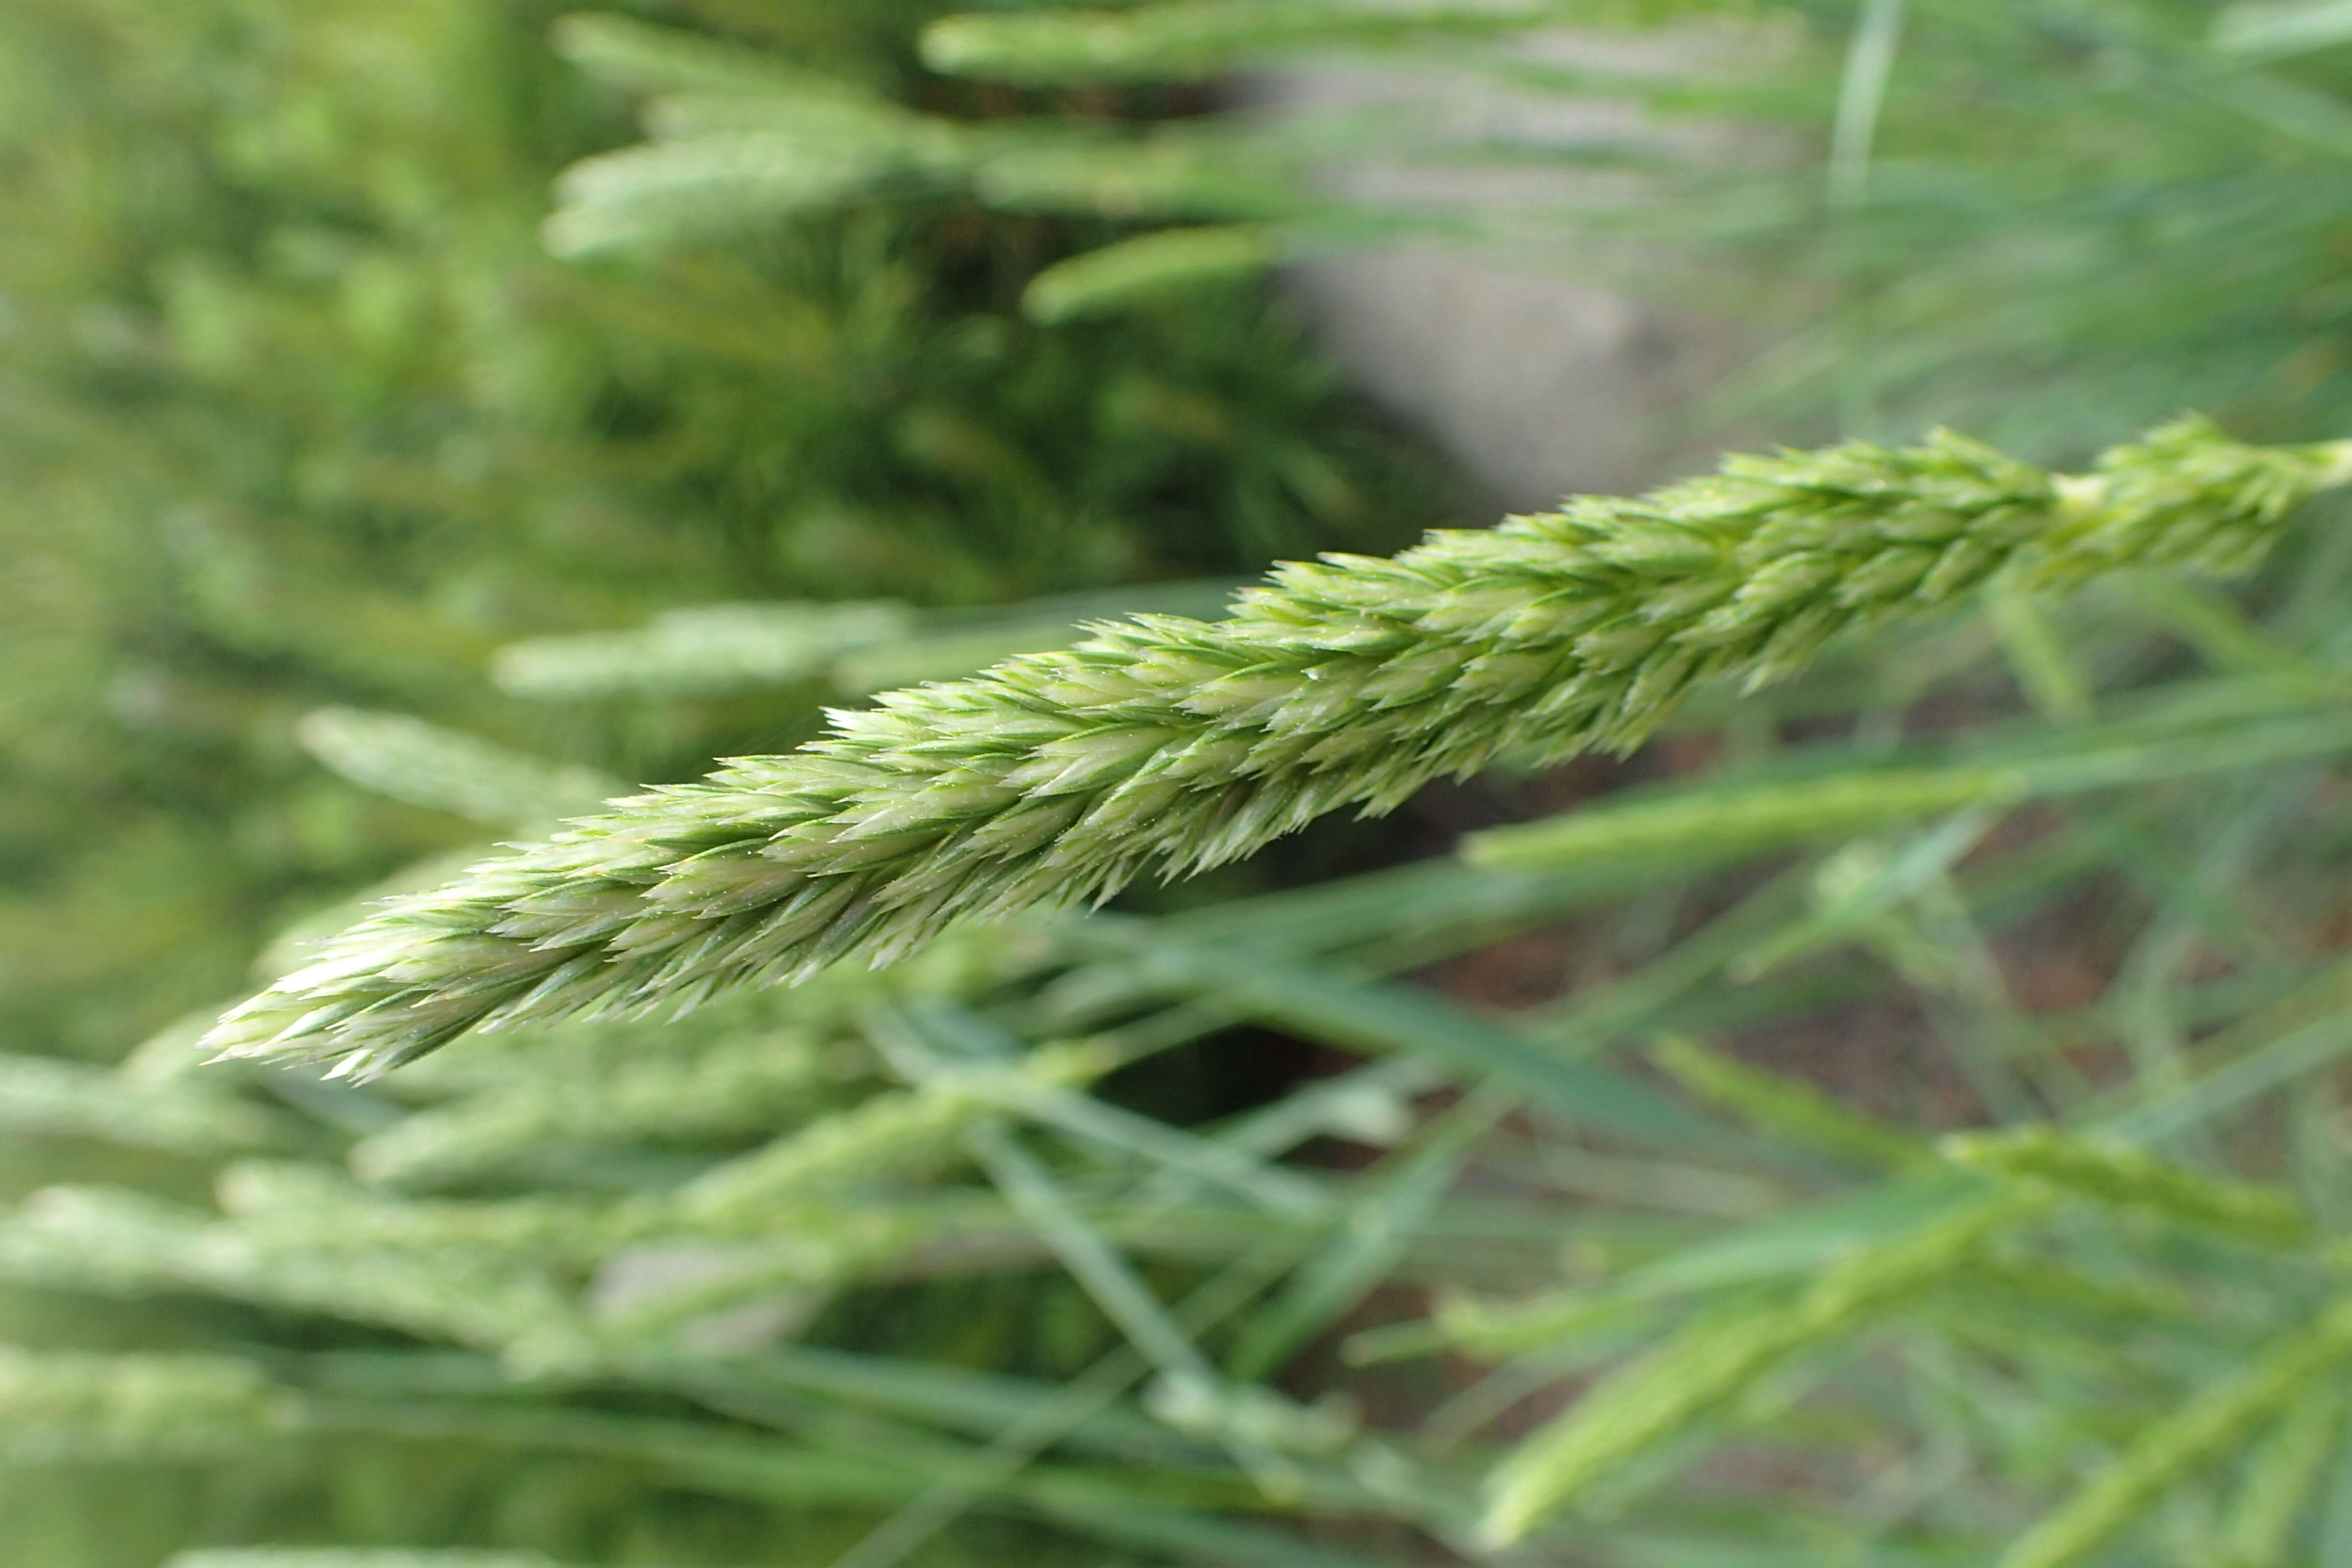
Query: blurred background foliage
300	410
422	419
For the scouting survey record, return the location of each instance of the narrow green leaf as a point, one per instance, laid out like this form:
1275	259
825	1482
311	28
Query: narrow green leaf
2210	1426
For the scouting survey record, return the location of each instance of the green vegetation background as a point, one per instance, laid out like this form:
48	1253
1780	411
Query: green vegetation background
300	412
348	529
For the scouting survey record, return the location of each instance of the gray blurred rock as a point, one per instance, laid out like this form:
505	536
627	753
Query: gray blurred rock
647	1281
1540	382
1540	386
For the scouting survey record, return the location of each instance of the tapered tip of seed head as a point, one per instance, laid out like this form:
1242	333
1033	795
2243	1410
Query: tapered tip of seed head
1502	1529
254	1027
2334	466
292	1024
245	1039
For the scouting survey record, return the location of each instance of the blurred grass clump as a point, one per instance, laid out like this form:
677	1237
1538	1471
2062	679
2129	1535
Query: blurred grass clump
1910	1128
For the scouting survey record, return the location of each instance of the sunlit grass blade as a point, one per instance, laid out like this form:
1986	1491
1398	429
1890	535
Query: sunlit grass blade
2218	1421
1718	1358
2282	1480
1789	1108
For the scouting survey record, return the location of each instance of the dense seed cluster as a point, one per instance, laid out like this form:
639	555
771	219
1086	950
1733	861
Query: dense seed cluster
2114	1173
1179	744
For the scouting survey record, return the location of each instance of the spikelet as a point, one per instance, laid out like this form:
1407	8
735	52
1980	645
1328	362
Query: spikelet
1495	1329
318	1213
58	1098
2040	1282
637	55
749	1084
709	649
740	138
1147	268
1787	1107
407	759
902	1131
1248	1414
2210	1426
58	1406
1176	744
1188	38
1704	1368
661	191
963	962
2124	1177
2281	1480
737	140
1714	1361
117	1243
